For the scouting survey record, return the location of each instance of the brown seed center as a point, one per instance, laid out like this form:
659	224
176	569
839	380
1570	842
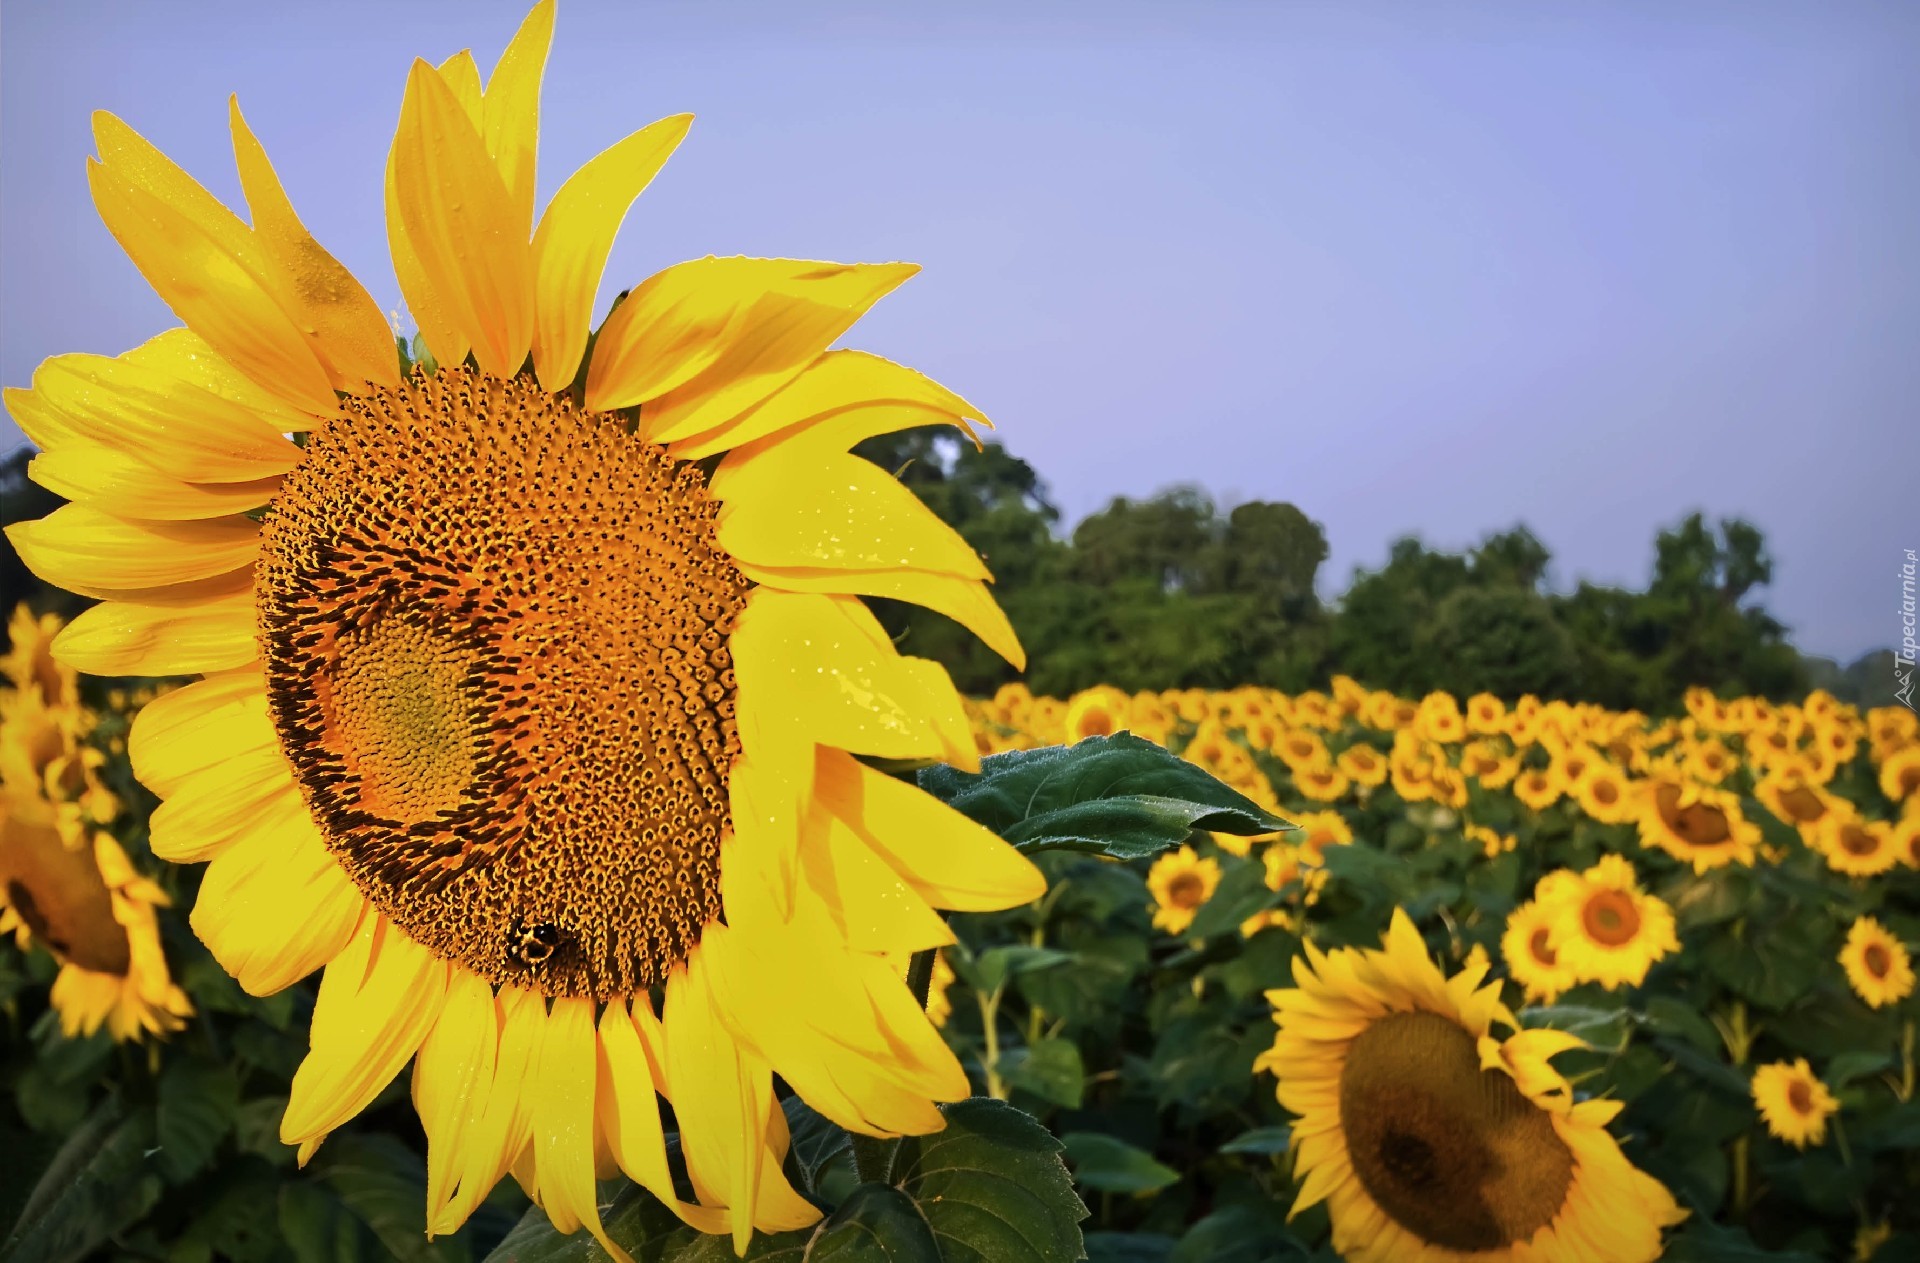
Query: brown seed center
1878	960
1610	918
495	633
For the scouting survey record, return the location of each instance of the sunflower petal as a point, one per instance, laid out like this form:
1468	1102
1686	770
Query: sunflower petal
459	221
276	906
378	999
452	1078
340	318
195	727
629	1114
185	355
563	1113
155	416
511	109
462	77
221	803
212	290
96	554
500	1123
127	638
965	601
713	337
840	399
575	236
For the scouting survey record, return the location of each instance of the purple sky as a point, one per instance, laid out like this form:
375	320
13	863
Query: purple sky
1411	270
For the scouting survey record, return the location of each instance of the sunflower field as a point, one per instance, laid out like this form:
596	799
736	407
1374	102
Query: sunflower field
1534	981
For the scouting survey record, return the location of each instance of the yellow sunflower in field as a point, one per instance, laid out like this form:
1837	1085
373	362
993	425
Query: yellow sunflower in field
1906	837
1429	1138
1878	967
1362	765
1486	714
1793	1102
1795	797
1321	782
1856	847
535	676
1180	882
1540	787
1532	959
1696	824
1604	927
1606	794
1900	774
1100	711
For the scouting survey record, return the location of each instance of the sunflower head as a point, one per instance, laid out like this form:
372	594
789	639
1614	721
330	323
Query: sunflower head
1181	882
1696	824
1604	926
1793	1102
1100	711
1878	966
1428	1135
1856	847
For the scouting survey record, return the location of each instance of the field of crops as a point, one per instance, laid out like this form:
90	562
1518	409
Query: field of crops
1675	948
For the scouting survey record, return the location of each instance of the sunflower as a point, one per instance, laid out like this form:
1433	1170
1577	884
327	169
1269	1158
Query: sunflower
1492	844
1362	765
1180	882
1539	788
1795	797
1878	967
1859	848
1100	711
1696	824
1605	928
1486	714
1321	782
1439	719
1606	794
1900	774
1793	1102
1532	960
535	675
1429	1138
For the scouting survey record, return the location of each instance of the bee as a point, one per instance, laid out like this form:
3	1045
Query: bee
531	946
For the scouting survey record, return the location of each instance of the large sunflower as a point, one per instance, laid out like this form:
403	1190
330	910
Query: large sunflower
1429	1138
535	675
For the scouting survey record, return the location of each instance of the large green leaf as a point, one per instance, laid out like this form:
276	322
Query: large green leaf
100	1180
198	1104
384	1184
1107	1164
1051	1069
878	1224
1118	796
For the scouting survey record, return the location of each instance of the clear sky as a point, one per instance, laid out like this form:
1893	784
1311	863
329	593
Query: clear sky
1433	268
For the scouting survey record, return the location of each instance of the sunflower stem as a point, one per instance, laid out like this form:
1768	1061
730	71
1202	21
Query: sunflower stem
1740	1181
1905	1091
873	1158
990	1023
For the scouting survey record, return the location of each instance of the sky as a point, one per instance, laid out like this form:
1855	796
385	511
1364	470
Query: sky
1414	268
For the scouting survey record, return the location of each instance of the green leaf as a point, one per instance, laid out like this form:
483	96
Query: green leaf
1244	1233
384	1184
1128	1247
1260	1140
1241	893
818	1149
990	970
1605	1029
1669	1016
1704	1241
198	1105
1849	1066
1109	1165
1048	1068
317	1228
878	1224
1771	970
99	1182
992	1187
1118	796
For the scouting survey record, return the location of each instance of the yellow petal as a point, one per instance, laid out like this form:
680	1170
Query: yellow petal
511	110
629	1114
130	155
933	697
501	1128
808	668
125	638
444	340
458	219
377	1001
842	512
575	236
190	729
953	862
184	354
876	910
966	601
452	1078
462	77
210	289
840	399
213	808
713	337
174	425
276	905
342	322
95	554
563	1113
88	473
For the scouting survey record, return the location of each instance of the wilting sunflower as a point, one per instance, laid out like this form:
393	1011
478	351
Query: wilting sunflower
1532	959
1100	711
1428	1137
1878	967
1793	1102
1859	848
1696	824
534	679
1604	927
1180	882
